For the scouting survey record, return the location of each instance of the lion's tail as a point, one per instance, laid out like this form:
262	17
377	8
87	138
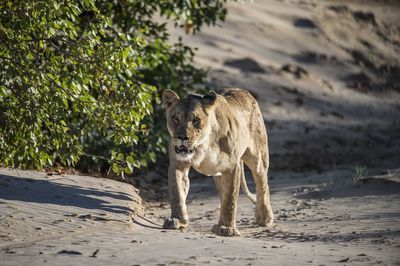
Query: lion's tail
244	187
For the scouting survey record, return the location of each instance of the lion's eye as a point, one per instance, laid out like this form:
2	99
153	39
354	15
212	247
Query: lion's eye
175	118
196	120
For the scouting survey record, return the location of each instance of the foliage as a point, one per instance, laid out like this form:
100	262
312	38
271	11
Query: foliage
78	78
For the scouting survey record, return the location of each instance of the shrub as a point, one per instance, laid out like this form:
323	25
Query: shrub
79	79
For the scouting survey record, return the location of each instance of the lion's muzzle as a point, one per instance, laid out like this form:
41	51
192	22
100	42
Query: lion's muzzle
183	150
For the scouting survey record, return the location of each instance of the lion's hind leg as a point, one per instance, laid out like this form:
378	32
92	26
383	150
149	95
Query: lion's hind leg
258	164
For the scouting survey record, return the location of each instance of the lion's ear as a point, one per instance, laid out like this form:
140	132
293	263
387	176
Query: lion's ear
169	98
209	99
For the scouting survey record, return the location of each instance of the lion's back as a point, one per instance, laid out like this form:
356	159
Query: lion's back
240	99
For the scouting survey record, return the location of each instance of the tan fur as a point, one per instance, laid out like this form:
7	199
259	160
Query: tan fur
214	134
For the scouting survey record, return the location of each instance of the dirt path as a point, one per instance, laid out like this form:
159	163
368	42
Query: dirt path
321	219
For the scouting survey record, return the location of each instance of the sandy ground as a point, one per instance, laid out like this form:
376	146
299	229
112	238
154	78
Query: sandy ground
326	76
321	219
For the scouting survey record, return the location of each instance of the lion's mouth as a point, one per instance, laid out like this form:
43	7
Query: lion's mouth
183	150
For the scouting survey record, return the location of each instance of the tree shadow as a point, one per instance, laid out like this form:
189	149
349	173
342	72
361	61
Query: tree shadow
51	192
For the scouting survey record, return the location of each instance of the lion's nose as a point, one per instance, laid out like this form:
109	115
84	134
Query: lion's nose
182	138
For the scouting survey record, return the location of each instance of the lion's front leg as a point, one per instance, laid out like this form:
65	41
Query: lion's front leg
178	183
230	185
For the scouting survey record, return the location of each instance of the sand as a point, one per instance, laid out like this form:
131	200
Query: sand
326	76
321	219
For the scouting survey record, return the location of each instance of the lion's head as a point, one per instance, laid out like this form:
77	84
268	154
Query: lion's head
188	121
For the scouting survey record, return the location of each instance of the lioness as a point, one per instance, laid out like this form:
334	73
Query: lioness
213	134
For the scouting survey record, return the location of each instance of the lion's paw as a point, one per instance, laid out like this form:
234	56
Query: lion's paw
265	222
264	216
221	230
174	223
